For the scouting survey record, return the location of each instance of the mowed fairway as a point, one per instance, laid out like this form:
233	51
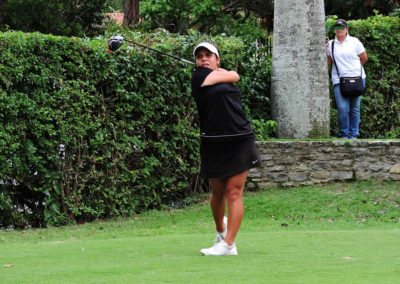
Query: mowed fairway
279	242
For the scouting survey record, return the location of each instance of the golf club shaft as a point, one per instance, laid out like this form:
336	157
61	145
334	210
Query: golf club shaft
170	55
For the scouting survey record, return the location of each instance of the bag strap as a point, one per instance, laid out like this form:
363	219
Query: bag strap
333	57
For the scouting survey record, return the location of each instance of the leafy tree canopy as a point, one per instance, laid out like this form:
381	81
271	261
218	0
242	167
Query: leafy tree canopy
359	9
58	17
208	16
233	17
237	17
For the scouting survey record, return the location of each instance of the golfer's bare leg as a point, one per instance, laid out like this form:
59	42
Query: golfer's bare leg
234	191
218	202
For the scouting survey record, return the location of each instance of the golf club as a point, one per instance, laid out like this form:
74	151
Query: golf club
116	41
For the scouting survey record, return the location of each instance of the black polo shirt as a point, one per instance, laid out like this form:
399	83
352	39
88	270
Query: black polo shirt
219	107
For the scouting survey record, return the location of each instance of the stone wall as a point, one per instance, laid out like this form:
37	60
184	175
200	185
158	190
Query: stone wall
312	162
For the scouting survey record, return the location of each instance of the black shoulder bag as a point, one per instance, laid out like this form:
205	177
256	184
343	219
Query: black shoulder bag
349	86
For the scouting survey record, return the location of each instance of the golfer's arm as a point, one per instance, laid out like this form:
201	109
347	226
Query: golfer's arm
221	76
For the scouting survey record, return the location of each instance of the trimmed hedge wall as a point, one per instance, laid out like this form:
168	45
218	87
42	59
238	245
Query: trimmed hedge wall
85	134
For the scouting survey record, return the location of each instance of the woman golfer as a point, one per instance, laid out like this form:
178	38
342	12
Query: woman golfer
227	146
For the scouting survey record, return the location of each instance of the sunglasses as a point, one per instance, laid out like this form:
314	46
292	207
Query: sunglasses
339	27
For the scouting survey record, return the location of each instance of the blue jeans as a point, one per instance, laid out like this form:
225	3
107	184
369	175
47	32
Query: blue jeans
348	113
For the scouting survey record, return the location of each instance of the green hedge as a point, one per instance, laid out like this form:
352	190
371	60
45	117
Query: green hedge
380	106
85	134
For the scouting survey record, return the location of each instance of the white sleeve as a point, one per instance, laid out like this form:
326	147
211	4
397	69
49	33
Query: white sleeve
329	49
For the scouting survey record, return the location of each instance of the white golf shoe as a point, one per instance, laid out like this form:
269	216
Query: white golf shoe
221	248
221	236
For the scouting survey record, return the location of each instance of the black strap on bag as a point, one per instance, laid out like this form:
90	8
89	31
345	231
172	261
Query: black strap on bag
349	86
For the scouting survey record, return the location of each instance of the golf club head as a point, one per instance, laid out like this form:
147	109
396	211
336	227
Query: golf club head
115	42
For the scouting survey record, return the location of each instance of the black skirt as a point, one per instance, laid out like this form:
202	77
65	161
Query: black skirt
227	158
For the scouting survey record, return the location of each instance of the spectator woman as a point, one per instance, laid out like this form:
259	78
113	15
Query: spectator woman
350	56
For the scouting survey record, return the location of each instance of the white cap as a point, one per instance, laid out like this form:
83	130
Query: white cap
207	46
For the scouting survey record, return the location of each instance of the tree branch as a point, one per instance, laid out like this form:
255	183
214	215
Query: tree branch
231	5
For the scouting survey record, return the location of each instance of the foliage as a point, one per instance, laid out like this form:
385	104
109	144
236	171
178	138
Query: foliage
171	15
85	134
65	17
263	129
395	13
114	6
359	9
207	16
263	9
232	17
88	131
380	105
241	17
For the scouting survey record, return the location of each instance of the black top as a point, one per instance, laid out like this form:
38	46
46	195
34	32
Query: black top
219	107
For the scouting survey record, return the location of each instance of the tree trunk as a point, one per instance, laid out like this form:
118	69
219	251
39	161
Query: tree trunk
131	13
299	82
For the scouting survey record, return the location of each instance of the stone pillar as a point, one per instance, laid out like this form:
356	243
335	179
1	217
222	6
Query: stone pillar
300	87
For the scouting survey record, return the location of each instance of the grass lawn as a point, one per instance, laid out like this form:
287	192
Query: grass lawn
340	233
